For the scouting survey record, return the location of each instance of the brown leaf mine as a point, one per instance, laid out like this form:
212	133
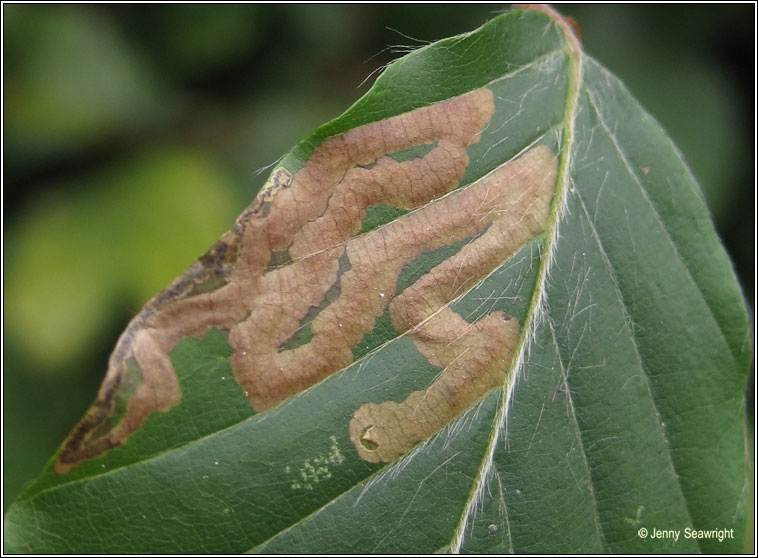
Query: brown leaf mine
510	205
337	282
297	285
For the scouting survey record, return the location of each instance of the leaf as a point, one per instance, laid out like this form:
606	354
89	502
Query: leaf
530	339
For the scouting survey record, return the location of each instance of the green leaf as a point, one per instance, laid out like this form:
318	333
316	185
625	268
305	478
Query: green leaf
618	407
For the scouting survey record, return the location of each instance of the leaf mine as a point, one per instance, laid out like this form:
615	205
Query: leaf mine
478	291
511	204
300	280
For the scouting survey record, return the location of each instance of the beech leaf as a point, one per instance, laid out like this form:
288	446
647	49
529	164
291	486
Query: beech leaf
484	310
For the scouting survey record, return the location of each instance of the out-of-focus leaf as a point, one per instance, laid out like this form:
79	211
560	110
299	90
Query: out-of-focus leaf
57	300
77	83
621	410
199	37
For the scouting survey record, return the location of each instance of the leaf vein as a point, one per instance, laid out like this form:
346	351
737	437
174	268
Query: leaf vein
536	307
578	432
657	216
629	325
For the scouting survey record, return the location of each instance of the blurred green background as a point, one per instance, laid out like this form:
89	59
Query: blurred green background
132	134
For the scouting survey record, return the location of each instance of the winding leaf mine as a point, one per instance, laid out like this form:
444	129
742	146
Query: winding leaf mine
298	287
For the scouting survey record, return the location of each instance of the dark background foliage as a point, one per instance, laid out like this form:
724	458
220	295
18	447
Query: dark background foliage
132	134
